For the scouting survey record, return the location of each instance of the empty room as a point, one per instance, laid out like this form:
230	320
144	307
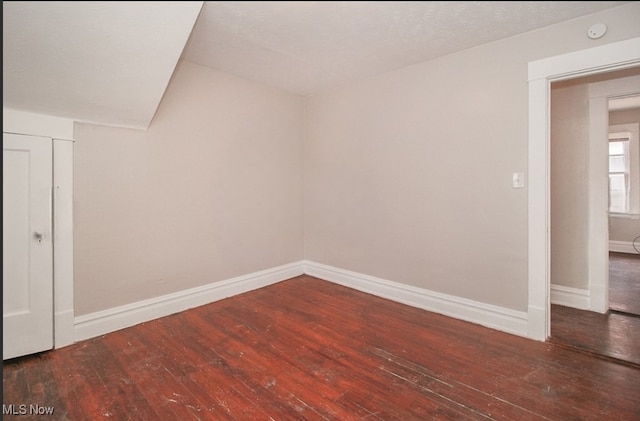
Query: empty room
321	210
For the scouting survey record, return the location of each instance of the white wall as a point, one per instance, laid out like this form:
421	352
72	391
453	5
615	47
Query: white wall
408	175
213	190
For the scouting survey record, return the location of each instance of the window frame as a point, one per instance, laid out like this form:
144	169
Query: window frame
630	132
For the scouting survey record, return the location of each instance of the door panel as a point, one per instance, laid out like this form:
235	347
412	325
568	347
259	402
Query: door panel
27	252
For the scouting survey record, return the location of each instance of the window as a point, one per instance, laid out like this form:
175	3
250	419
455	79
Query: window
624	170
619	176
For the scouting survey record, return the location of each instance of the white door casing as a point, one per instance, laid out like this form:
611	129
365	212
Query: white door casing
61	131
599	95
608	57
27	245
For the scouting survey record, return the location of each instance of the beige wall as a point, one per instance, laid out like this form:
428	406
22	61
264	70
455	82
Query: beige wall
621	229
211	191
408	175
569	184
569	179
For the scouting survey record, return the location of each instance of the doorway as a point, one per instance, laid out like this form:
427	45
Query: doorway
624	205
583	300
608	57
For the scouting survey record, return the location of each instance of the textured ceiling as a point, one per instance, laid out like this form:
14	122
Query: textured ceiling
107	62
308	46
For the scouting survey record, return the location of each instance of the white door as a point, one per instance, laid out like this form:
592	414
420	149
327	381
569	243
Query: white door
27	247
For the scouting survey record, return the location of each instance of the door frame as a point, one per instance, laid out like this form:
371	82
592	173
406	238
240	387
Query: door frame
599	95
60	130
604	58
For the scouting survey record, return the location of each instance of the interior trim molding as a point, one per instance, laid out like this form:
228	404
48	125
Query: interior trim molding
64	333
21	122
106	321
600	59
63	243
622	247
113	319
570	297
499	318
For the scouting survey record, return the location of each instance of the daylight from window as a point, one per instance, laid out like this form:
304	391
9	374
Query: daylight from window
619	177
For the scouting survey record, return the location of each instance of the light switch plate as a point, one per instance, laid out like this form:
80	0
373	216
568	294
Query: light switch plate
517	180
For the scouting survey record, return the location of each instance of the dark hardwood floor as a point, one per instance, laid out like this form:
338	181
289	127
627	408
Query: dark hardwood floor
612	335
309	349
615	334
624	283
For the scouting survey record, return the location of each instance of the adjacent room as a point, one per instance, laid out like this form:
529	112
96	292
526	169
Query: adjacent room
589	312
321	210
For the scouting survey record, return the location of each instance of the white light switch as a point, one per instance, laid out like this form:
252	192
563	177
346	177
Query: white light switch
517	180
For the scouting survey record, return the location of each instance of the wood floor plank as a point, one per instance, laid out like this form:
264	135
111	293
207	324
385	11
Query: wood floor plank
307	349
156	386
321	368
624	282
614	335
203	369
610	335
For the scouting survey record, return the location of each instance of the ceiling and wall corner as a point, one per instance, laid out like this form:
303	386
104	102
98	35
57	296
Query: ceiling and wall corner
487	96
103	62
110	62
309	47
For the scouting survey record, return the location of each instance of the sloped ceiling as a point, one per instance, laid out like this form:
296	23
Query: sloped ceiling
107	62
309	46
110	62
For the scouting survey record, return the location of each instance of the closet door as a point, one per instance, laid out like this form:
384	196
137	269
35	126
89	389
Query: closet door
27	252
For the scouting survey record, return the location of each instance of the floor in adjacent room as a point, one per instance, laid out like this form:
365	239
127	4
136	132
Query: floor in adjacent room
614	335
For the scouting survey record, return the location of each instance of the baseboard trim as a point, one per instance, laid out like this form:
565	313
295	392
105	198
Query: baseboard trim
106	321
491	316
64	332
622	247
570	297
113	319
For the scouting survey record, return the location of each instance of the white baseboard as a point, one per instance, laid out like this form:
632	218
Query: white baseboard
495	317
537	323
110	320
622	247
570	297
113	319
64	332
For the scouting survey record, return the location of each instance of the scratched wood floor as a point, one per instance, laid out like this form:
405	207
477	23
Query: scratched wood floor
307	349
